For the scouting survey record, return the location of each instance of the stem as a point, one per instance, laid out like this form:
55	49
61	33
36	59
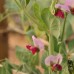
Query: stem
49	70
22	18
7	15
64	28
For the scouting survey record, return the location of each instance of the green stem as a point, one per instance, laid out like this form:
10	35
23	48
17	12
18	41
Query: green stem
7	15
62	36
22	18
50	70
63	31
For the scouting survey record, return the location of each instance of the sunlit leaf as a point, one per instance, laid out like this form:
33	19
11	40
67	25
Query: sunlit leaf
52	22
37	12
53	44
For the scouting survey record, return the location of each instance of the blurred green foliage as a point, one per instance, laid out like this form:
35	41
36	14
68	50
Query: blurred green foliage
41	23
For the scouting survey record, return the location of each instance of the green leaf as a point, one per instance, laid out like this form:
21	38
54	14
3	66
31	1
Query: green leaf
30	33
60	72
65	68
36	71
27	57
2	70
6	68
53	44
23	55
27	2
51	21
71	44
46	71
35	60
52	6
37	11
54	27
69	30
26	68
45	16
43	60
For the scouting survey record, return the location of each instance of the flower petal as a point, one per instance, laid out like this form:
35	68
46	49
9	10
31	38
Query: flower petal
57	67
34	50
69	3
63	7
59	13
59	58
28	47
38	43
50	60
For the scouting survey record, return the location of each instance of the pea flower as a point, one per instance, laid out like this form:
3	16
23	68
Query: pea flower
64	8
54	62
59	13
67	7
70	3
33	49
38	45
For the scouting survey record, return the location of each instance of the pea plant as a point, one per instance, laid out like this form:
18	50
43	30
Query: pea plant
50	48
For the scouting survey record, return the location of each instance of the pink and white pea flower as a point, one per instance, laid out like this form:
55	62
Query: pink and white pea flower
68	6
38	45
54	62
64	8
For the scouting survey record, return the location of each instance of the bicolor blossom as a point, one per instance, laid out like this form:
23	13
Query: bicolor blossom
54	62
38	45
64	8
67	7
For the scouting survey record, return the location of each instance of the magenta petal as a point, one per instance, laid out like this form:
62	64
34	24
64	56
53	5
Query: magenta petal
59	13
58	67
34	49
31	48
38	43
28	47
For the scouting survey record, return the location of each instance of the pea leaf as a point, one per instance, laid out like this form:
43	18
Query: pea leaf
37	11
6	68
27	2
53	44
23	55
26	56
51	21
